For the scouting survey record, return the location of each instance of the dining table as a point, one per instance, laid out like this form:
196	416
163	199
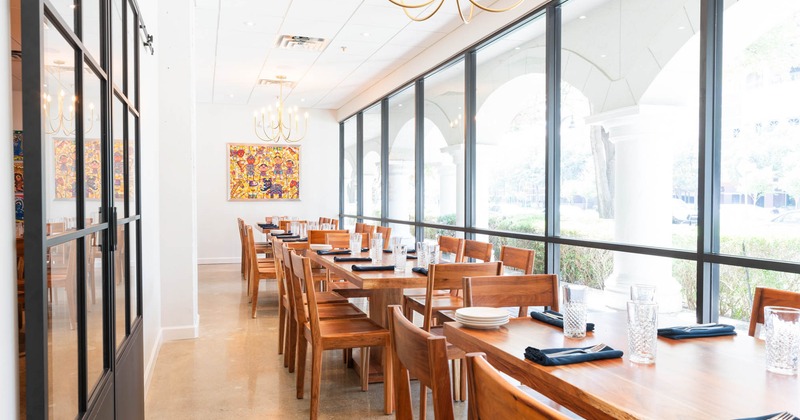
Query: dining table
721	377
386	286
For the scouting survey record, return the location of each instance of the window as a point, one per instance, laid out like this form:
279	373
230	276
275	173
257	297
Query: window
402	183
350	167
372	162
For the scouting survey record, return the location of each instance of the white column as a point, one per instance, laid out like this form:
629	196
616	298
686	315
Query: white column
452	174
642	202
178	190
400	198
9	357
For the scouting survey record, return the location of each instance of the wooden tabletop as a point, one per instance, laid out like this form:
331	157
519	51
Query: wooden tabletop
715	377
371	280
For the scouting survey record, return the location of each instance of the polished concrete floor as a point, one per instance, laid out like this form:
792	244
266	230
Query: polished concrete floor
233	369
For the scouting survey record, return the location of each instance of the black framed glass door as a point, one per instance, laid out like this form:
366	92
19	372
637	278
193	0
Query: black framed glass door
82	222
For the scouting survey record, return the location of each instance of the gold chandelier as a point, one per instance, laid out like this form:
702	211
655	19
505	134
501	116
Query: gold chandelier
466	19
64	120
274	127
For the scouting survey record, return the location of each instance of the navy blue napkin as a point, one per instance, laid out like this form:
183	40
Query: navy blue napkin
696	331
295	240
409	251
541	356
334	252
268	226
373	267
539	316
289	236
282	234
352	259
421	270
767	417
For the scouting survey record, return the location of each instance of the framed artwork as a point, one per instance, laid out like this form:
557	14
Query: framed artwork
19	178
65	177
19	207
261	172
17	146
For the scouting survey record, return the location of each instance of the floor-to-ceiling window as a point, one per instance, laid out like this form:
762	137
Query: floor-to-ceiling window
649	178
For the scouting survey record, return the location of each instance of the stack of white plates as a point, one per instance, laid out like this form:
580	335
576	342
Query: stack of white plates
482	318
320	247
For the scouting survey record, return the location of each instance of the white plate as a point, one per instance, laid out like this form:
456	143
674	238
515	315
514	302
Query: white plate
277	231
482	327
479	312
320	247
492	322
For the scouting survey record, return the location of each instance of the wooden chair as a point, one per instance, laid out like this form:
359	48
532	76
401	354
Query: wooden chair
770	297
492	397
452	245
64	275
334	334
340	240
518	258
477	250
422	355
335	309
365	238
317	236
258	271
517	291
359	227
261	248
387	234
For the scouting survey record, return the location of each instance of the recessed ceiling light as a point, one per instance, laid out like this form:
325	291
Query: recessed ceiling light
582	17
365	34
250	23
602	56
230	95
680	28
400	105
516	48
302	99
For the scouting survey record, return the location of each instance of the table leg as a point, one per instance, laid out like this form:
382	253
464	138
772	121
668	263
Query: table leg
379	300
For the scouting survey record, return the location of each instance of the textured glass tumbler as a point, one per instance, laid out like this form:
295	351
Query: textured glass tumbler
782	334
422	254
643	293
376	249
574	311
399	254
642	331
355	243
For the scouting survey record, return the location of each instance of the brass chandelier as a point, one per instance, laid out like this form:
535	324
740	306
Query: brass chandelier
466	19
283	123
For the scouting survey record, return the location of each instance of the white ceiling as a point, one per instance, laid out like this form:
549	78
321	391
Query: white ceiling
235	47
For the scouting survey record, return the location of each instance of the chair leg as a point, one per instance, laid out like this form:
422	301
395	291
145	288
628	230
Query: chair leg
462	373
292	346
281	326
254	296
364	368
316	373
388	381
423	401
454	379
301	367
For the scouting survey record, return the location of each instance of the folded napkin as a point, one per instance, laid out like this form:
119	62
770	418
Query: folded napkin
541	356
295	240
268	226
334	252
767	417
352	259
373	267
410	251
411	257
696	331
421	270
364	249
289	236
279	235
555	318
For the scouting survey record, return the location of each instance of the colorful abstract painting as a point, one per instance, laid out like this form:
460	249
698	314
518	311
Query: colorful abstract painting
260	172
65	177
17	146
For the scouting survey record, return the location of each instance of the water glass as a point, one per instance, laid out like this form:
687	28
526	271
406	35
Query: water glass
422	254
782	333
326	226
642	331
294	228
643	293
376	247
434	255
399	253
312	226
355	243
575	310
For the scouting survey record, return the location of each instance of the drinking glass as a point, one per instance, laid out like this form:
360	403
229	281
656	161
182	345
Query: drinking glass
574	311
355	243
294	228
422	254
643	293
782	334
399	253
642	331
376	247
313	226
327	226
434	256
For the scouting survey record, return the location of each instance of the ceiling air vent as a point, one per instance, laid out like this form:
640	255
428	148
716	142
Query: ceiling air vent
301	43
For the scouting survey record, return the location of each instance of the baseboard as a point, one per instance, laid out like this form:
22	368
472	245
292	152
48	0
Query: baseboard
151	364
181	333
224	260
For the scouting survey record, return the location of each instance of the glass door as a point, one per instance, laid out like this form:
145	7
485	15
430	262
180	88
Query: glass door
82	242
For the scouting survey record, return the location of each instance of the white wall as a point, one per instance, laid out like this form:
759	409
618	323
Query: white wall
217	125
9	357
149	157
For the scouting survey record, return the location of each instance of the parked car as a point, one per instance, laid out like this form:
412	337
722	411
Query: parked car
683	212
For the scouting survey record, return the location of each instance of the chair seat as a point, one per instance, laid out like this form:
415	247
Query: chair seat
329	297
364	330
441	302
339	311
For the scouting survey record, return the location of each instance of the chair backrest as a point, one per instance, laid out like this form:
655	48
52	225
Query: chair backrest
368	228
493	397
285	225
506	291
359	227
365	238
335	223
387	234
770	297
316	236
338	239
301	267
422	355
477	250
519	258
250	246
452	245
450	277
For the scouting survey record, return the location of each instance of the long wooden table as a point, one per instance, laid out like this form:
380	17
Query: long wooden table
707	378
387	289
